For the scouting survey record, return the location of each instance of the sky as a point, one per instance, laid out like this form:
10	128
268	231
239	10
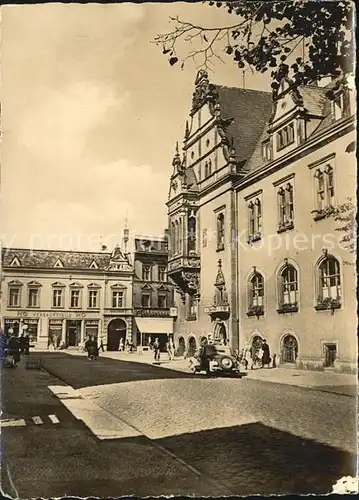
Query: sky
91	112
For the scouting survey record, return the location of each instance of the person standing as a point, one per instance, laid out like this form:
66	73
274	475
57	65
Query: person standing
156	348
266	354
120	347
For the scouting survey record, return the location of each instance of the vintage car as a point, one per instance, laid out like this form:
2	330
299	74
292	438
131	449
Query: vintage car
220	361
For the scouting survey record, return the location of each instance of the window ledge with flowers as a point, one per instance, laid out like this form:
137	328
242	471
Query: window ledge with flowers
220	248
255	311
254	237
287	308
328	304
192	317
323	213
285	226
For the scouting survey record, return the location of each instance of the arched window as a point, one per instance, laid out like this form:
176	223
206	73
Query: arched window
329	279
288	289
173	239
256	291
220	231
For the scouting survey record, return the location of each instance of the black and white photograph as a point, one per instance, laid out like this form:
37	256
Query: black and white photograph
178	240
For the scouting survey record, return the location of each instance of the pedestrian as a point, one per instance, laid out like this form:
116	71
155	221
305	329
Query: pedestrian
22	343
120	347
102	347
265	354
156	348
27	345
169	347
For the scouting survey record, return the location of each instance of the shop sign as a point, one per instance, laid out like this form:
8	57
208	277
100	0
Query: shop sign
52	314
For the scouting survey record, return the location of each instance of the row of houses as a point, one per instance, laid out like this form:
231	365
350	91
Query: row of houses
66	296
255	251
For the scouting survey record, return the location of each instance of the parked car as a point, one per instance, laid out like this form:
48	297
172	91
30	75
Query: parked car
221	361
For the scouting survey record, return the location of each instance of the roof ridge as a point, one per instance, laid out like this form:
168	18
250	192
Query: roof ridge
52	250
242	89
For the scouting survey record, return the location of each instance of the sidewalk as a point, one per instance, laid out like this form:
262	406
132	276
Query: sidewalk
327	381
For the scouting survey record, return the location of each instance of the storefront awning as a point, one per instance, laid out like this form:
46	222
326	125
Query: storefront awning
155	325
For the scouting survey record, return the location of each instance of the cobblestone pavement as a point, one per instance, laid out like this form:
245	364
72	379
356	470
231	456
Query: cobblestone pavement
255	437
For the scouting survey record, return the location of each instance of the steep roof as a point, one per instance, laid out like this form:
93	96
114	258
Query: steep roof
46	259
250	111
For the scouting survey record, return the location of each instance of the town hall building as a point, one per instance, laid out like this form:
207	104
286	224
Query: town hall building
254	247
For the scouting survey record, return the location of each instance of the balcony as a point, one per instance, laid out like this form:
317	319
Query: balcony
184	272
220	311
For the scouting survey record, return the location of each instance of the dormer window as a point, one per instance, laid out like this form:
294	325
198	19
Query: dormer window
285	136
266	150
341	104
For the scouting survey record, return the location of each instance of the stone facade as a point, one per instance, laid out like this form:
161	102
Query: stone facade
254	247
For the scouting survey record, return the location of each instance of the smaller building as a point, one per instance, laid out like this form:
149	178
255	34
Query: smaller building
153	298
65	296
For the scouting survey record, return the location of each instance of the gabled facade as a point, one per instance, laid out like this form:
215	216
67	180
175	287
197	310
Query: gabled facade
60	297
254	174
153	303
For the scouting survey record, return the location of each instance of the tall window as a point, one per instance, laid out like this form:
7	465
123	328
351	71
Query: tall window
162	274
75	298
173	238
325	189
146	273
256	291
33	297
341	104
329	275
220	231
192	229
266	150
162	300
301	130
285	136
288	293
57	297
93	299
255	219
286	207
192	308
14	296
146	300
117	299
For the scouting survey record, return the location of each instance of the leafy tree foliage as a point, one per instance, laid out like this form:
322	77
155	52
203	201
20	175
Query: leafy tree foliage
344	215
265	35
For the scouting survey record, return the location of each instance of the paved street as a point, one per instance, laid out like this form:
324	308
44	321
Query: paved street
185	434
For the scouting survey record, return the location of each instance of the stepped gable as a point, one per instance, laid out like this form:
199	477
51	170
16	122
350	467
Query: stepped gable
249	110
47	258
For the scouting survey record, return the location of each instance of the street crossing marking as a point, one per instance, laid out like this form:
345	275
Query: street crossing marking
13	422
21	422
54	419
37	420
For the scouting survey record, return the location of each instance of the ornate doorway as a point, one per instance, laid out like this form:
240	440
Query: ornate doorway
220	334
289	349
116	331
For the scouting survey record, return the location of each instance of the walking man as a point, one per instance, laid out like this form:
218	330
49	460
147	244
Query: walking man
156	348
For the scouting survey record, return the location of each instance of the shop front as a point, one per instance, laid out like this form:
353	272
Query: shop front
55	332
148	329
92	328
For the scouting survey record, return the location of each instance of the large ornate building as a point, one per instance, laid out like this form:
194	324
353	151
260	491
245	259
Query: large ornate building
254	248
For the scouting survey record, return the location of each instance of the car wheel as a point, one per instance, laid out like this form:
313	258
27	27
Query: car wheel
226	363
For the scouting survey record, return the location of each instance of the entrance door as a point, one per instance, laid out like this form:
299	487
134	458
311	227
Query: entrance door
330	353
181	346
73	333
289	349
116	331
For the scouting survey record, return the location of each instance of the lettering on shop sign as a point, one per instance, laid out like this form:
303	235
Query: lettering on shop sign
41	314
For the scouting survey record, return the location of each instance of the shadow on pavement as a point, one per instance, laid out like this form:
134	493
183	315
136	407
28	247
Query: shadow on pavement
257	459
79	372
